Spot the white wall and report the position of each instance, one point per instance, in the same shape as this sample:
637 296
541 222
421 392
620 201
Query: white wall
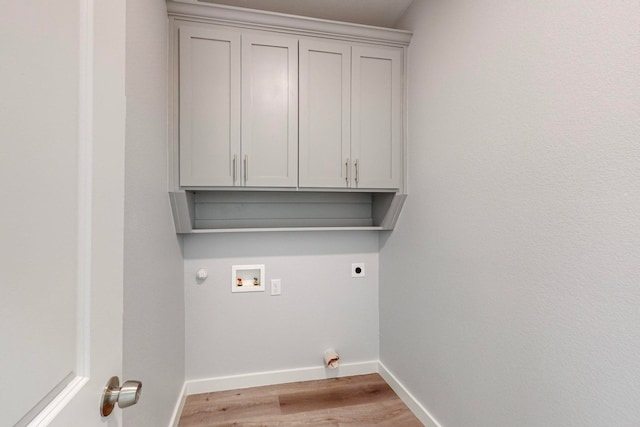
321 306
153 293
523 216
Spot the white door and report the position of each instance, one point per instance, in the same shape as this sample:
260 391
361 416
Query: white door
62 116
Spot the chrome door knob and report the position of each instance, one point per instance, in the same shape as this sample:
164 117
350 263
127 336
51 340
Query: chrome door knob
125 396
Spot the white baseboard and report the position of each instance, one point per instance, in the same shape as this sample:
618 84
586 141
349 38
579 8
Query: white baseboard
258 379
177 411
418 410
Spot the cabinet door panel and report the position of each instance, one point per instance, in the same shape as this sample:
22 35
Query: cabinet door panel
325 97
270 111
377 116
209 106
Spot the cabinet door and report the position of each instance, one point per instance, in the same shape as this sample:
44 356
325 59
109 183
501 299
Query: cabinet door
376 129
325 110
269 111
209 107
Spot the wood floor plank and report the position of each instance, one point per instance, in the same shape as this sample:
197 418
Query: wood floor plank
348 394
214 412
358 401
372 414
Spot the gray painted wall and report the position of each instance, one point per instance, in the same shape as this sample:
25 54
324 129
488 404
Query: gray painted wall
522 225
153 281
321 306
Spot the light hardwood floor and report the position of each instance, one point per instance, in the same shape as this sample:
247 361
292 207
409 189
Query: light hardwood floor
363 400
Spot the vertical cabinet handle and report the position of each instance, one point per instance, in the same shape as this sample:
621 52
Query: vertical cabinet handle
246 168
357 171
235 168
346 175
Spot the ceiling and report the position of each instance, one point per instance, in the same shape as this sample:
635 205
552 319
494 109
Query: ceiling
381 13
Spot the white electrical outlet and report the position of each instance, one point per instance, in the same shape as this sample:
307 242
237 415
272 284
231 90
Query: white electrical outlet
276 287
357 270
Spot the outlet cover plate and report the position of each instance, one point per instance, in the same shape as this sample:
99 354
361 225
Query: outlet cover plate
357 270
276 286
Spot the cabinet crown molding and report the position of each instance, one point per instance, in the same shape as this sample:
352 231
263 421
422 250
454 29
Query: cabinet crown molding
292 24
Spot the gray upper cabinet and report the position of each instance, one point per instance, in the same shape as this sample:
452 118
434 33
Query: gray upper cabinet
269 111
325 114
350 116
238 109
209 107
281 122
376 112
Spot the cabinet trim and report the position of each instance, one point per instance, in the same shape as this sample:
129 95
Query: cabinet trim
283 23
